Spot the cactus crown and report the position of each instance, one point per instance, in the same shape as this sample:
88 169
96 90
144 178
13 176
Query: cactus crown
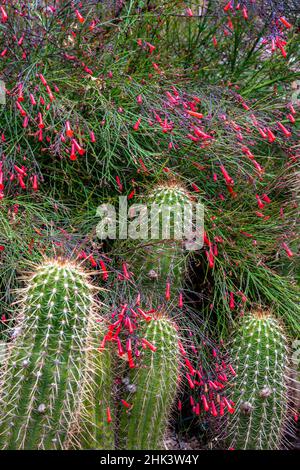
260 355
43 372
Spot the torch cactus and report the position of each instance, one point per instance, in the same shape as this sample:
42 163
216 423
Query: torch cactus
160 261
260 386
97 420
45 371
151 387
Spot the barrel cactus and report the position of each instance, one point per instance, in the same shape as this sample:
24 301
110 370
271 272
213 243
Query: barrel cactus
45 369
260 388
151 387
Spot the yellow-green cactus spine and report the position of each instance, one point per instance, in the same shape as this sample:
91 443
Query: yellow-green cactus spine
44 373
151 387
260 387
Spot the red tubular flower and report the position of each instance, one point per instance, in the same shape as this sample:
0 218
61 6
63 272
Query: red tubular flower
22 111
228 6
41 124
69 131
229 407
137 124
258 167
93 262
195 114
262 133
125 271
120 349
228 179
201 134
20 95
291 118
92 137
288 250
108 415
292 109
104 270
43 80
21 182
180 300
35 183
73 153
245 13
168 291
151 47
266 198
195 188
189 366
1 179
149 345
213 409
125 403
79 16
286 132
4 16
259 202
231 301
190 382
32 99
271 136
118 181
78 148
285 22
204 402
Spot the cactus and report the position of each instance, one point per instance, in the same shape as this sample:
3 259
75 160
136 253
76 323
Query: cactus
97 427
161 259
152 387
46 366
260 387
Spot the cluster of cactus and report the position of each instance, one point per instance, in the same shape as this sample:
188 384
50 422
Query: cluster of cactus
57 384
261 384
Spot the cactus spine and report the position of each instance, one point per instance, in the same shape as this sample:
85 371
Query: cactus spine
45 369
260 389
153 387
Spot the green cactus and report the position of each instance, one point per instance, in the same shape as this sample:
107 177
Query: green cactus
97 420
260 387
45 371
161 257
152 387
